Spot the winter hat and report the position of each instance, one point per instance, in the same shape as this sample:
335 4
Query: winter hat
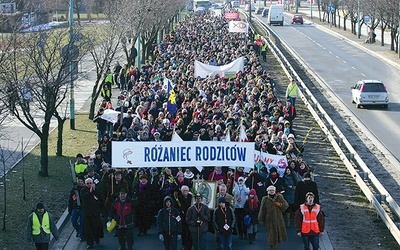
307 175
273 169
221 199
180 173
188 175
241 178
252 191
310 194
40 206
270 188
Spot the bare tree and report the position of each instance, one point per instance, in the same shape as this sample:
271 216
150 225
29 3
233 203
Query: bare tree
145 19
104 42
35 79
160 16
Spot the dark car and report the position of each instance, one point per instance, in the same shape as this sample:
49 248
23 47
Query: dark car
259 10
297 18
265 12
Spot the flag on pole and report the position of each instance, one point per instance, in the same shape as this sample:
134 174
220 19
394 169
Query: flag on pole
228 135
176 137
242 135
171 96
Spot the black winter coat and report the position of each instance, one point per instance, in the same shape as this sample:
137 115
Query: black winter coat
220 219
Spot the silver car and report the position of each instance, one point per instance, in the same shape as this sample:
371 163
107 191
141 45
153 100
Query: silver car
369 92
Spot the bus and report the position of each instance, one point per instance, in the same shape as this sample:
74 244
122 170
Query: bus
206 4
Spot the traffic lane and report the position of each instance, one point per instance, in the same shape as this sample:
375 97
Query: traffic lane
333 53
340 65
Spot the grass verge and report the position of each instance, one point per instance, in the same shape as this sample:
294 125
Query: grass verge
53 190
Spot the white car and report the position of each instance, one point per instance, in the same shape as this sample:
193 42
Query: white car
247 7
369 92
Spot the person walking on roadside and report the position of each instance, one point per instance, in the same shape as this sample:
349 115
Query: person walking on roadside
169 225
302 188
224 222
122 211
292 92
75 208
252 208
289 180
197 217
310 222
240 192
93 228
40 225
184 202
264 47
271 209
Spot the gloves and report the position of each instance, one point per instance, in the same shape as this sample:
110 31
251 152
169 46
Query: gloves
179 237
161 237
277 204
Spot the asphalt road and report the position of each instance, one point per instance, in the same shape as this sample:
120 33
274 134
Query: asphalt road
152 242
340 65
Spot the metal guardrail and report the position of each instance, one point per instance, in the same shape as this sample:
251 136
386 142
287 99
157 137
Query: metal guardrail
381 195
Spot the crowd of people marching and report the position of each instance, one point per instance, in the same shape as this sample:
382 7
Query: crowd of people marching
197 109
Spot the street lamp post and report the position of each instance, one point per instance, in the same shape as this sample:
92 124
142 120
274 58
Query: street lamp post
358 19
71 69
250 12
311 8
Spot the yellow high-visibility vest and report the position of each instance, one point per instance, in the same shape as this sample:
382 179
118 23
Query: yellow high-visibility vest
36 224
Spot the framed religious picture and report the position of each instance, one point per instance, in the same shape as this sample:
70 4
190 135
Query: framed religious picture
208 191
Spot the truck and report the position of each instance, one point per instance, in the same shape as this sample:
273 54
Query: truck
275 14
202 4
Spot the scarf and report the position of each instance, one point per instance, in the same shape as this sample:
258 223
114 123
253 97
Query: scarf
142 187
253 203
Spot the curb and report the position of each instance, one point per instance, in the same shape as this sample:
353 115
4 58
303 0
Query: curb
61 223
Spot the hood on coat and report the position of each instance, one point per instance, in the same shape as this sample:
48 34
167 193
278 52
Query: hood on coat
165 201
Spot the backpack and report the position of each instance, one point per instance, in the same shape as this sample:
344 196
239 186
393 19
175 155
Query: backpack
247 220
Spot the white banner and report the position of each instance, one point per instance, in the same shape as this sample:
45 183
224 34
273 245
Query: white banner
238 26
180 154
111 115
270 160
227 71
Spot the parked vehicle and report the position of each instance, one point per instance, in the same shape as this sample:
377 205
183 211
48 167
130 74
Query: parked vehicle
275 14
369 92
297 18
235 4
265 12
259 10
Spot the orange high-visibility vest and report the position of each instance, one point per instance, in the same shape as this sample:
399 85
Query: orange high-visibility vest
310 222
